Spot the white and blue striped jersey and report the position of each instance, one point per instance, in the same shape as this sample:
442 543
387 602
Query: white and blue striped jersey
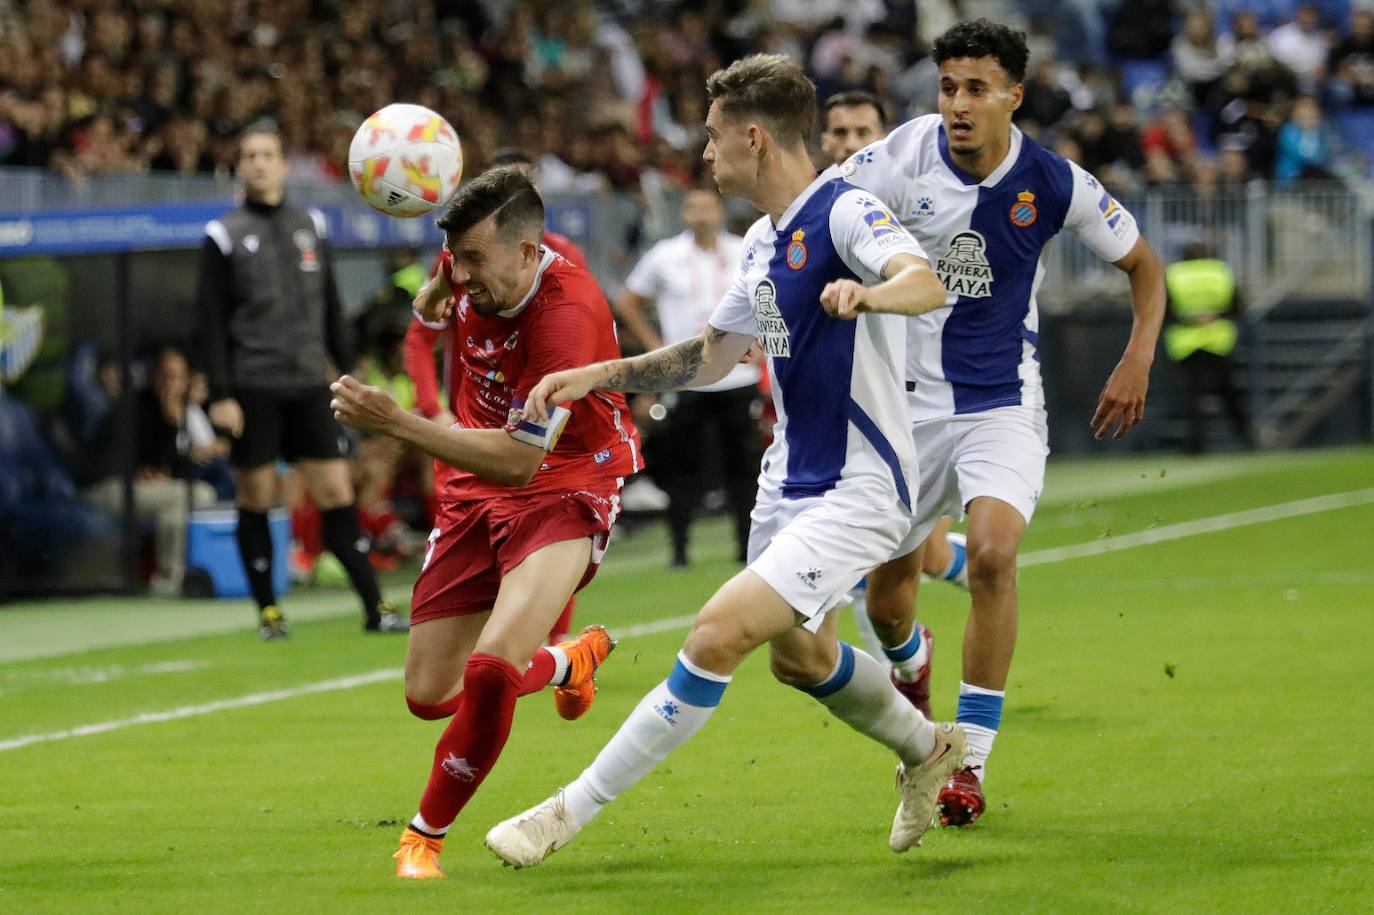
837 385
986 238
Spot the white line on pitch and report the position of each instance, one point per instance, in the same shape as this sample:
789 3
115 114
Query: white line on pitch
1210 525
1095 548
276 695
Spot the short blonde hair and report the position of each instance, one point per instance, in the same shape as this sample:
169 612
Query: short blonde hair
770 88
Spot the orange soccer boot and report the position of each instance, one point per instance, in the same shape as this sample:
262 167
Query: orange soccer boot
585 655
418 856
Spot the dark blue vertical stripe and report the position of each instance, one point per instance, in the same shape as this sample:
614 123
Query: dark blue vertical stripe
981 340
870 431
814 380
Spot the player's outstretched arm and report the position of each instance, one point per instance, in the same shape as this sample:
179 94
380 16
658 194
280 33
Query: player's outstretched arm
909 287
701 360
489 453
1122 402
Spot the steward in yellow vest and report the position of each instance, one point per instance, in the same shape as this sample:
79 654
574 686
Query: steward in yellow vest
1201 335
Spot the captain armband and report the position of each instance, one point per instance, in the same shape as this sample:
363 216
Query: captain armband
541 435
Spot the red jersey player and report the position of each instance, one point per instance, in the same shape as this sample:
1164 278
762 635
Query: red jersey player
522 524
422 337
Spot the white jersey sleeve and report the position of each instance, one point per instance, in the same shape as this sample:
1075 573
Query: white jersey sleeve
867 235
735 313
1104 225
646 279
888 169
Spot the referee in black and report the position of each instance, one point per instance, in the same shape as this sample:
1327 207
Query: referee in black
272 337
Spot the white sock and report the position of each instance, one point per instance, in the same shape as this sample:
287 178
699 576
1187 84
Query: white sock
420 824
664 719
560 665
908 658
872 644
859 693
980 715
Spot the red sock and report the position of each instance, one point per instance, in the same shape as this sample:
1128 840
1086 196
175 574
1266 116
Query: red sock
444 709
539 673
560 629
473 740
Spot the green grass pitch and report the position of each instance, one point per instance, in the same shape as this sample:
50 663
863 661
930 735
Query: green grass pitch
1188 727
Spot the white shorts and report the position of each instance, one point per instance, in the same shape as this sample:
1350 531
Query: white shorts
812 551
999 453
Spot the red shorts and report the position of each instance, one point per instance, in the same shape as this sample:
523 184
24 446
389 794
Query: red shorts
474 544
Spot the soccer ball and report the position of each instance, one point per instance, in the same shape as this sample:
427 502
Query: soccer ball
405 160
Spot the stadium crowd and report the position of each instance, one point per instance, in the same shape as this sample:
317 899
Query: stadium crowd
611 94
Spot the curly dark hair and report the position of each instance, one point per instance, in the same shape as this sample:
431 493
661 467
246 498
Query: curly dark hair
984 38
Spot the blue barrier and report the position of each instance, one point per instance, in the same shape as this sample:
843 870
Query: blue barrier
182 225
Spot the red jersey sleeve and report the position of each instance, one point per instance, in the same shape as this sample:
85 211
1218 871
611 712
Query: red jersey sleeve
419 356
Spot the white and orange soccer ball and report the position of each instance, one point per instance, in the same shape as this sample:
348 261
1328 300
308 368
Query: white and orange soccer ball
405 160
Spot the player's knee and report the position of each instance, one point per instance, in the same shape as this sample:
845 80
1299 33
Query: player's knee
891 601
717 644
992 560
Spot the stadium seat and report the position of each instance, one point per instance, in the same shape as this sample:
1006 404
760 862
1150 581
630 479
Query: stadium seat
40 515
1149 75
1355 127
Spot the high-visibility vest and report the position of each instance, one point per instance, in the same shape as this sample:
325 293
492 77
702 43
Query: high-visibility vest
400 387
411 278
1198 291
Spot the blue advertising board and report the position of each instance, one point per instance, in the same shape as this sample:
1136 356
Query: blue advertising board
182 225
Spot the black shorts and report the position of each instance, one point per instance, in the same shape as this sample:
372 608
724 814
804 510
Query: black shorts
294 424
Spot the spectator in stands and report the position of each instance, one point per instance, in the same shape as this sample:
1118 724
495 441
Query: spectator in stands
1302 46
1352 62
1244 46
1045 100
152 451
1198 59
1169 146
1305 145
1141 29
1233 165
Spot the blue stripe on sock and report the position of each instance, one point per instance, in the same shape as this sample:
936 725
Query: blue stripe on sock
839 679
907 649
956 562
980 709
694 690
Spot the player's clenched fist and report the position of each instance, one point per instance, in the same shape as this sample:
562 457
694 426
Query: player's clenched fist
842 299
363 406
558 388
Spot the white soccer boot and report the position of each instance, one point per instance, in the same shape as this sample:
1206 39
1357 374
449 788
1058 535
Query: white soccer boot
528 838
921 786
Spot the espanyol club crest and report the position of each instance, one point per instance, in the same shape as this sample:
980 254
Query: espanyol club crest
796 251
1023 211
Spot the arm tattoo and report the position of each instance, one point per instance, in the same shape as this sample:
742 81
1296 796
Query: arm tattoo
668 369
